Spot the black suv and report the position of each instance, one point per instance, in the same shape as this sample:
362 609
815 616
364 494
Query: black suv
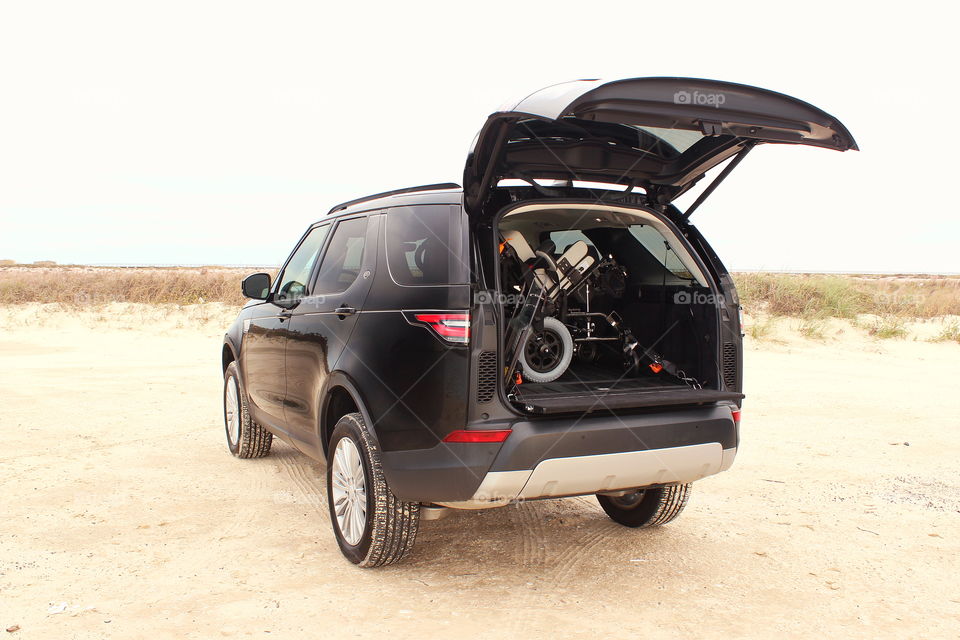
554 327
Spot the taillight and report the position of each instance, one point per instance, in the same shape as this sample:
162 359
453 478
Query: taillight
451 327
478 435
736 416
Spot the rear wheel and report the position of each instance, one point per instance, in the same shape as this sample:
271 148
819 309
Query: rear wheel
547 353
245 438
646 507
372 527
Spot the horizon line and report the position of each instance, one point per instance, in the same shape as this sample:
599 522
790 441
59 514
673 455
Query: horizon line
199 265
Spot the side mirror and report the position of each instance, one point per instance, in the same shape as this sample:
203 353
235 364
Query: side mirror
256 286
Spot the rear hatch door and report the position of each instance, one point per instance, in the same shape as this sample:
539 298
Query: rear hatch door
659 134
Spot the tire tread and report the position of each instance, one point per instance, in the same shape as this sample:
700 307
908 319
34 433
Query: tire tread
659 506
672 501
255 441
395 523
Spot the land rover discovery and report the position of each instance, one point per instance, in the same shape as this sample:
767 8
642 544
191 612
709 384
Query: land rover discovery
553 327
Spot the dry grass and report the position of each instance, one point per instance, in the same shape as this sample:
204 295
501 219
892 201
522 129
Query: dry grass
812 328
887 301
761 329
888 327
950 333
87 286
814 296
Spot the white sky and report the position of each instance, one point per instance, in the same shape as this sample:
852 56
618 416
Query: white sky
215 132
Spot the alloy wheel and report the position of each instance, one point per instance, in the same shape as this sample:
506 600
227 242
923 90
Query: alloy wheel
231 404
349 491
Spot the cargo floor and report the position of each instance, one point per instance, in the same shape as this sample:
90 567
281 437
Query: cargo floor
591 388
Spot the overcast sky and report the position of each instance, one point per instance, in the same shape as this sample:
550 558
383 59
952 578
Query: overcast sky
215 132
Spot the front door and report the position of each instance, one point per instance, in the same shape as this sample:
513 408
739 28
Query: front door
262 364
263 348
321 324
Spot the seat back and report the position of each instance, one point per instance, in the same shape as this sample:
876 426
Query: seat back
524 252
574 264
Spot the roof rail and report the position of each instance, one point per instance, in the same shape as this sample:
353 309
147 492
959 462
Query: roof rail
395 192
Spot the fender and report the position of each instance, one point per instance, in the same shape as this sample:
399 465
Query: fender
229 345
343 380
233 338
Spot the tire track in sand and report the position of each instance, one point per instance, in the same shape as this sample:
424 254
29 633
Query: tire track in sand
596 532
307 476
529 516
249 504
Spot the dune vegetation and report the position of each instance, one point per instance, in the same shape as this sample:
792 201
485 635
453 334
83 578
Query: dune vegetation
881 305
78 286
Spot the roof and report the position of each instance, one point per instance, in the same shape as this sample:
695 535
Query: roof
442 193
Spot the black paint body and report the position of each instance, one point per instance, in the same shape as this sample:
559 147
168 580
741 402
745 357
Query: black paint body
304 366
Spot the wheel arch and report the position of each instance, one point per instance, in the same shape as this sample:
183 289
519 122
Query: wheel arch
227 356
340 396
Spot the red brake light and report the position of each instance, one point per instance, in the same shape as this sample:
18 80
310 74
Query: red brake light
736 415
487 435
452 327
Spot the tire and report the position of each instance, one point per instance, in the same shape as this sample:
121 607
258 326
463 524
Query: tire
646 507
547 354
389 526
245 438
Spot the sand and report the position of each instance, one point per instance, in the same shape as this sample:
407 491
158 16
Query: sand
123 514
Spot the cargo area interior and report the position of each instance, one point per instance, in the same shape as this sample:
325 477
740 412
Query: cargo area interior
618 289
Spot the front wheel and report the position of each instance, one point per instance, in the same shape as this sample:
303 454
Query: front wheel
372 527
646 507
245 438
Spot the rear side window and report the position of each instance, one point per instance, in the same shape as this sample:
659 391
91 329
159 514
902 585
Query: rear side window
659 248
425 246
343 258
563 240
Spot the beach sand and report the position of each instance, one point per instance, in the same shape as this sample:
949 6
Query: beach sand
122 506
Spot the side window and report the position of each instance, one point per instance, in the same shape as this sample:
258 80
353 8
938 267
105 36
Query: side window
292 283
654 242
564 239
343 258
424 246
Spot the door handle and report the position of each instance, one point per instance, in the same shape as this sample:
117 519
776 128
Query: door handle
343 312
283 315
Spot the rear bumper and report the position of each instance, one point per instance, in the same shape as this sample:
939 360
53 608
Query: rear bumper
569 456
578 475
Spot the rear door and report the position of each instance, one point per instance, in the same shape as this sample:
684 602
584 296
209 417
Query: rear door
321 325
660 134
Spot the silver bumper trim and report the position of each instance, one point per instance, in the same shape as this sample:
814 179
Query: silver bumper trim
581 475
